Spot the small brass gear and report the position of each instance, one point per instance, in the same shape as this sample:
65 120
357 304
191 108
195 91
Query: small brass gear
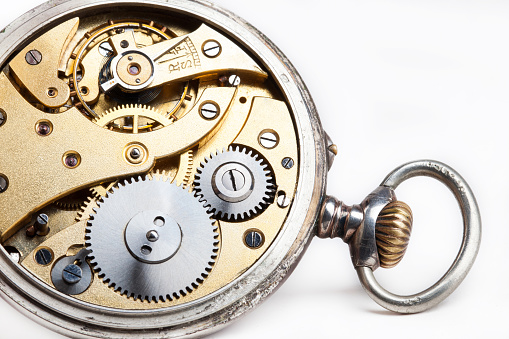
133 119
87 209
73 201
96 193
102 189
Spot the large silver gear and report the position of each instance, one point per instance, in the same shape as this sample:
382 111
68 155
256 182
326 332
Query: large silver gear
236 184
151 240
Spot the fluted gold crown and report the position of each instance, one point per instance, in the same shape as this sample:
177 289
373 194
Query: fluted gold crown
393 229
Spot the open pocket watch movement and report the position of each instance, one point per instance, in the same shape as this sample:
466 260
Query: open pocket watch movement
163 169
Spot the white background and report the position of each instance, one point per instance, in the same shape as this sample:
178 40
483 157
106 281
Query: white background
393 81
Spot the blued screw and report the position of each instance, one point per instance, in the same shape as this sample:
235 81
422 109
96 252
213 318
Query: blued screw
253 239
43 257
41 224
33 57
72 274
287 163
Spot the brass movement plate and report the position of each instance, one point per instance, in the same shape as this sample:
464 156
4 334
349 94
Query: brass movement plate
101 99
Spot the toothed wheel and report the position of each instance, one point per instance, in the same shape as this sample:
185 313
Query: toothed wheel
133 119
74 201
151 240
236 184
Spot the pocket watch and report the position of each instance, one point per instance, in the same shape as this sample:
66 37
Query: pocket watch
163 169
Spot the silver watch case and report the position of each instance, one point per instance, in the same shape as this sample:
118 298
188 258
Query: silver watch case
74 318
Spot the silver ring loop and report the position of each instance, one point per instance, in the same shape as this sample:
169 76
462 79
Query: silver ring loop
470 246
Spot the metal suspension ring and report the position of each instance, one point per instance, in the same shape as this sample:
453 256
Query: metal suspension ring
470 246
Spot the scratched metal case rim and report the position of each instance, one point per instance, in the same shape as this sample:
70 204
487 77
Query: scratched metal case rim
210 313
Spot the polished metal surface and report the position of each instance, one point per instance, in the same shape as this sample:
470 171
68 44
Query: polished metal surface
152 270
338 220
248 170
153 237
363 249
470 246
69 283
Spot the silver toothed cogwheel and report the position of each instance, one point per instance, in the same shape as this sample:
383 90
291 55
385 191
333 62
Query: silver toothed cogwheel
151 240
236 184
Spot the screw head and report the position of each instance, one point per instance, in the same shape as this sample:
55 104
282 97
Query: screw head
209 111
43 257
33 57
124 43
72 274
287 163
212 48
42 219
254 239
4 184
282 200
234 80
234 180
268 139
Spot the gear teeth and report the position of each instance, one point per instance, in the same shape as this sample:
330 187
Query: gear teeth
261 196
104 276
103 119
189 170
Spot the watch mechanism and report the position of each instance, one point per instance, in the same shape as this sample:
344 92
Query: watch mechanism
147 160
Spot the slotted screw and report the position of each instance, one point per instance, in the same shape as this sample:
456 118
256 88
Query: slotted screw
234 80
211 48
43 257
209 111
234 180
72 274
253 239
268 140
287 163
33 57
